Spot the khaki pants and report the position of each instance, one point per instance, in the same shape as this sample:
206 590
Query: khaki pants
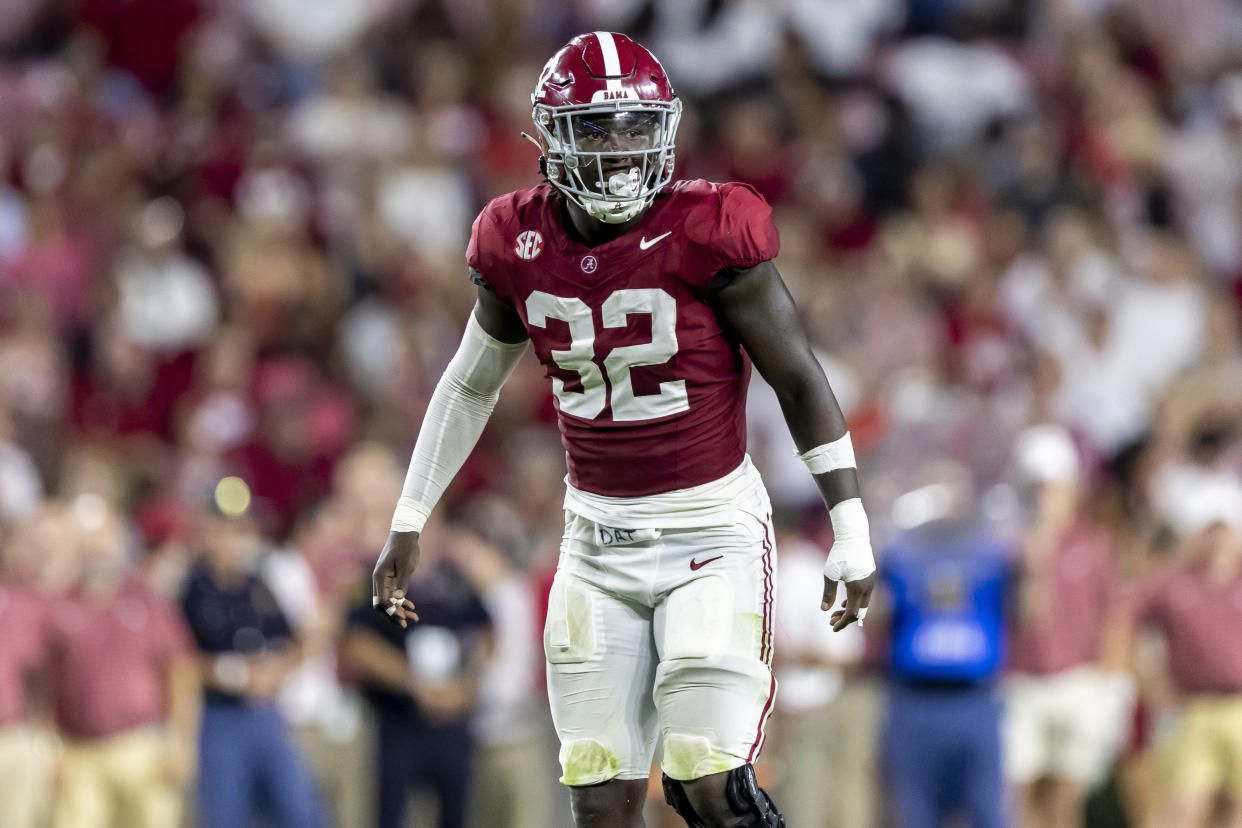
342 771
828 760
1204 753
117 782
25 776
510 787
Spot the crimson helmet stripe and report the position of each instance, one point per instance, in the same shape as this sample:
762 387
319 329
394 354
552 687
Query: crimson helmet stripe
612 60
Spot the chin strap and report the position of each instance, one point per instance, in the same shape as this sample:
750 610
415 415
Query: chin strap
543 159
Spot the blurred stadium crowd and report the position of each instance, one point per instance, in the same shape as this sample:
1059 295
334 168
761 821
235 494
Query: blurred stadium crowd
231 240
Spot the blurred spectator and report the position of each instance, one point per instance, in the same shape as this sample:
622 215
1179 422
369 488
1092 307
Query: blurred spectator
1067 700
248 764
711 46
41 554
25 749
315 578
1204 403
1196 604
956 88
283 289
840 37
126 396
1205 168
1050 294
54 266
753 149
167 301
218 416
145 37
825 722
511 758
422 684
35 377
949 581
124 687
164 527
21 485
1111 367
12 213
309 33
303 427
349 121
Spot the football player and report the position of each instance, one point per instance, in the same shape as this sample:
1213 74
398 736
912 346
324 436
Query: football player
645 300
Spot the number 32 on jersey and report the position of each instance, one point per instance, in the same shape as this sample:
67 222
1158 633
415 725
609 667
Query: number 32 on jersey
579 356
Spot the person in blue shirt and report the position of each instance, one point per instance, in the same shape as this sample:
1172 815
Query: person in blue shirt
248 764
947 578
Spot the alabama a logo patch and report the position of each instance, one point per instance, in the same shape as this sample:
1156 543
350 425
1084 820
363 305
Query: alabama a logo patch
589 264
529 245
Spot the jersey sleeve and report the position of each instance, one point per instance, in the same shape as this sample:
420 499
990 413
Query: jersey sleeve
477 254
745 234
485 253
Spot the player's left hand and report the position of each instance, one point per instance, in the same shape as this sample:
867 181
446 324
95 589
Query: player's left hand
854 607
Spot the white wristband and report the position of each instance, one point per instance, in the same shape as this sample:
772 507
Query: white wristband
851 557
409 516
839 454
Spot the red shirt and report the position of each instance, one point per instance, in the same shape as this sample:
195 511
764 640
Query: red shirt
1082 586
1201 622
103 409
108 662
21 650
650 389
147 37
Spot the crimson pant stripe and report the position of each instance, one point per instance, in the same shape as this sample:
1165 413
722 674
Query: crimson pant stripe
765 652
763 720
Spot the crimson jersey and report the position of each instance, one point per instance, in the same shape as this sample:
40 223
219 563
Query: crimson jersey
650 390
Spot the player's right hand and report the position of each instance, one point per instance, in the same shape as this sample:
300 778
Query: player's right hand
392 575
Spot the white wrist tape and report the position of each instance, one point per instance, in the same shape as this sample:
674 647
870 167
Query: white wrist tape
839 454
851 557
458 411
409 516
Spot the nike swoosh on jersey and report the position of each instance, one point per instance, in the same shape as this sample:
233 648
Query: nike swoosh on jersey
643 244
695 566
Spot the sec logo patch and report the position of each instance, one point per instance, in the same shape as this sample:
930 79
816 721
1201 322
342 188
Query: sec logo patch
529 245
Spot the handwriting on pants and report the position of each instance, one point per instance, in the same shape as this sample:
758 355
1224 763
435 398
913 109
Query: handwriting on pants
608 534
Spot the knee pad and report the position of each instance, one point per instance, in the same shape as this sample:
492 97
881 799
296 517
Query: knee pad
743 794
675 796
749 800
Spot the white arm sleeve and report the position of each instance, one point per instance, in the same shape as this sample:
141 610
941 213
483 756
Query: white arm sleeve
458 411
